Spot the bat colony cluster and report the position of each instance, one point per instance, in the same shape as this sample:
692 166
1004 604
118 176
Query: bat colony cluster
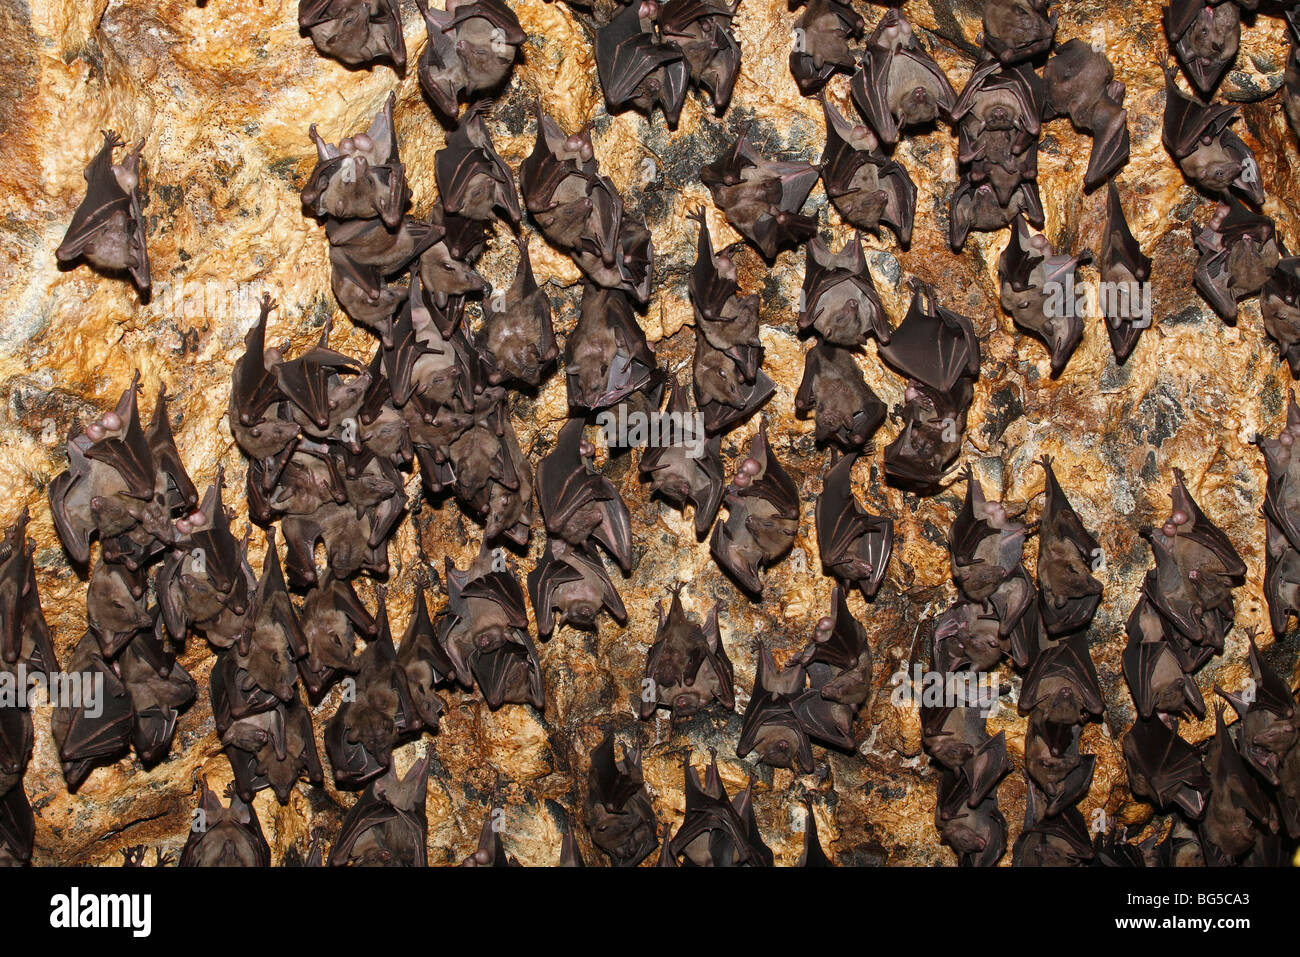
328 439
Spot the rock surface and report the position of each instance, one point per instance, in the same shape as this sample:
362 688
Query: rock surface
223 94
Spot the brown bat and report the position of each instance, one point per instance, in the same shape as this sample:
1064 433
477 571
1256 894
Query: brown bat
899 86
517 340
685 467
1081 84
355 32
1067 554
606 357
1208 152
387 827
867 187
1279 302
108 228
822 34
569 586
762 198
24 635
687 668
1204 35
471 49
1038 292
636 67
362 177
578 503
839 301
855 545
718 831
1127 271
222 836
701 29
620 817
1018 30
473 180
847 412
1153 667
1239 252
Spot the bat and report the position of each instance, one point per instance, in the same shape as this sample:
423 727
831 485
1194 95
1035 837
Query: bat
839 299
85 741
718 831
606 357
1267 731
159 689
723 395
687 668
578 503
1238 813
822 35
15 741
762 516
1054 764
387 827
484 633
898 85
1037 291
1051 840
490 851
867 187
360 737
108 228
426 665
762 198
1067 552
17 828
1239 252
812 854
1196 570
932 345
772 725
620 817
517 340
224 836
968 635
368 242
24 635
1282 560
331 618
636 67
1153 669
473 180
355 32
974 829
855 545
1081 84
847 412
838 660
1018 30
569 586
1279 302
1124 266
701 29
986 544
446 272
272 749
1164 769
1204 35
1062 684
675 473
361 178
727 320
975 205
471 49
1200 138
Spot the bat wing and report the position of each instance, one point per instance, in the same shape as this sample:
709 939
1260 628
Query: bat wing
931 344
1067 661
870 86
549 574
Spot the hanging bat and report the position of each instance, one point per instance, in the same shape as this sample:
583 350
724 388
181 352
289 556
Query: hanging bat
718 831
899 86
821 46
1051 840
1239 252
17 828
957 739
1081 84
578 503
484 632
839 299
723 394
638 69
224 836
975 205
812 854
762 516
387 827
762 198
272 749
1180 847
570 586
855 545
772 725
84 741
1204 35
1164 769
986 543
1210 155
1238 813
15 740
360 737
933 345
491 852
1267 731
355 32
331 618
559 181
1018 30
1037 291
1067 552
867 187
471 49
726 319
368 242
1153 670
361 178
1196 570
847 411
108 228
1279 302
473 180
447 276
974 829
1062 684
159 689
687 668
1054 764
685 467
606 357
838 660
517 340
619 814
1127 270
24 635
426 665
701 29
967 636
